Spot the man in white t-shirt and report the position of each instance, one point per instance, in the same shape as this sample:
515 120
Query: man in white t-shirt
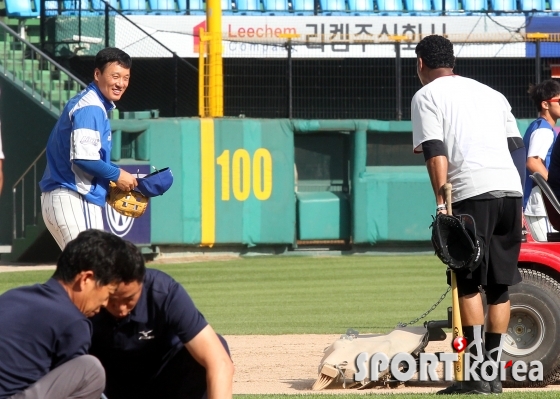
539 139
469 138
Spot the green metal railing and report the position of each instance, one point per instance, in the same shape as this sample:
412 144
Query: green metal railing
33 193
35 72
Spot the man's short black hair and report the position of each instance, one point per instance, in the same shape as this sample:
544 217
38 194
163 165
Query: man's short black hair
112 259
436 52
544 91
112 54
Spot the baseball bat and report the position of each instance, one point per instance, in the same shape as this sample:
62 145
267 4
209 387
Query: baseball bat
457 325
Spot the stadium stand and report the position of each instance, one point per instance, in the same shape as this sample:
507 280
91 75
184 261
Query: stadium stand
333 7
418 7
303 7
361 7
533 5
162 6
276 7
31 8
99 6
20 8
133 6
249 7
193 6
475 6
52 7
227 7
504 6
74 7
390 7
452 7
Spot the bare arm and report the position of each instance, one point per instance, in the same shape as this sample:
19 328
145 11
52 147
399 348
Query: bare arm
437 169
126 181
535 164
208 350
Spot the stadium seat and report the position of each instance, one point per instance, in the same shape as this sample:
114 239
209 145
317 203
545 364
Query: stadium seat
72 7
533 5
20 8
303 7
99 5
451 7
390 7
359 7
227 7
162 6
333 7
276 7
133 7
194 7
418 7
51 7
249 7
474 6
500 6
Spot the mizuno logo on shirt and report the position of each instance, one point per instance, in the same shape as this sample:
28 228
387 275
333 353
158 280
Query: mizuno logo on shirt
146 335
89 140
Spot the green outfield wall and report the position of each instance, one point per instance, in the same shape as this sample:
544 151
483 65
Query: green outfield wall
275 181
233 181
249 182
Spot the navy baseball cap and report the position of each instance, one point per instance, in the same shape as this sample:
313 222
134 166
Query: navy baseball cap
155 183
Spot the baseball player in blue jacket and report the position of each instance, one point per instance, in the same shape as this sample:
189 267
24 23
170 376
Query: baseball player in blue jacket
79 169
539 141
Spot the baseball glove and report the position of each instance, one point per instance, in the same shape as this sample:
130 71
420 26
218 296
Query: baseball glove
132 204
455 242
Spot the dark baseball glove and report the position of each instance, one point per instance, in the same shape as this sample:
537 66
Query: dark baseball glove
455 242
132 203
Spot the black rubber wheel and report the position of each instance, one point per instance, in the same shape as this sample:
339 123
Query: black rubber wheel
534 326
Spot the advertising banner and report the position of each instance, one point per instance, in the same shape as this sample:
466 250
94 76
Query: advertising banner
324 36
134 230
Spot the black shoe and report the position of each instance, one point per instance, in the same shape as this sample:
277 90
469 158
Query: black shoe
496 385
466 388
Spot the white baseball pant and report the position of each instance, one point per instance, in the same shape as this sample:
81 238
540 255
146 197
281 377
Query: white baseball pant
66 213
539 227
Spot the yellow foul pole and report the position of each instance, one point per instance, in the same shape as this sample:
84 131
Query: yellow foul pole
216 78
202 75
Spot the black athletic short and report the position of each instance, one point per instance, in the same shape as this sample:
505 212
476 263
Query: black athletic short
498 225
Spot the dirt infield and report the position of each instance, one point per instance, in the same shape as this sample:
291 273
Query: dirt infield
287 364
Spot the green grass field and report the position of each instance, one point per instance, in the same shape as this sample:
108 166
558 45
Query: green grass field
300 294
